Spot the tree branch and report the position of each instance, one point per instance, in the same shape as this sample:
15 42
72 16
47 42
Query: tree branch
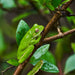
46 30
58 36
55 18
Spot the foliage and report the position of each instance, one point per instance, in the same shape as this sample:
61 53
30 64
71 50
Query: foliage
73 46
8 4
48 64
70 65
13 62
21 31
42 59
2 43
36 68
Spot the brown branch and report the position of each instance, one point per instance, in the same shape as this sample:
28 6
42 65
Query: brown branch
58 36
55 18
60 68
46 30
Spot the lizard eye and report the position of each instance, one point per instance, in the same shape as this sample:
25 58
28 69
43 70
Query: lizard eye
36 30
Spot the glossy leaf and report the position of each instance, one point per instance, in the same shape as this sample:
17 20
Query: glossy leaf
41 51
13 62
48 67
48 59
70 64
21 30
36 68
47 56
8 3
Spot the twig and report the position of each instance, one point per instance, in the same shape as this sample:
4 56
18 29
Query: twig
58 36
46 30
55 18
59 30
60 68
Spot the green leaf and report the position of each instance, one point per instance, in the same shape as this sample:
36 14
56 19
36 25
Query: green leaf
23 2
23 15
55 3
70 64
39 4
73 46
72 18
59 50
41 51
65 1
65 29
49 67
13 62
63 46
46 57
36 68
42 1
8 3
50 6
2 43
21 30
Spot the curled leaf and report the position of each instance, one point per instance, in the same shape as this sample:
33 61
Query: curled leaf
36 68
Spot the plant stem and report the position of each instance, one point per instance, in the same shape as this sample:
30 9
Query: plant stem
60 68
